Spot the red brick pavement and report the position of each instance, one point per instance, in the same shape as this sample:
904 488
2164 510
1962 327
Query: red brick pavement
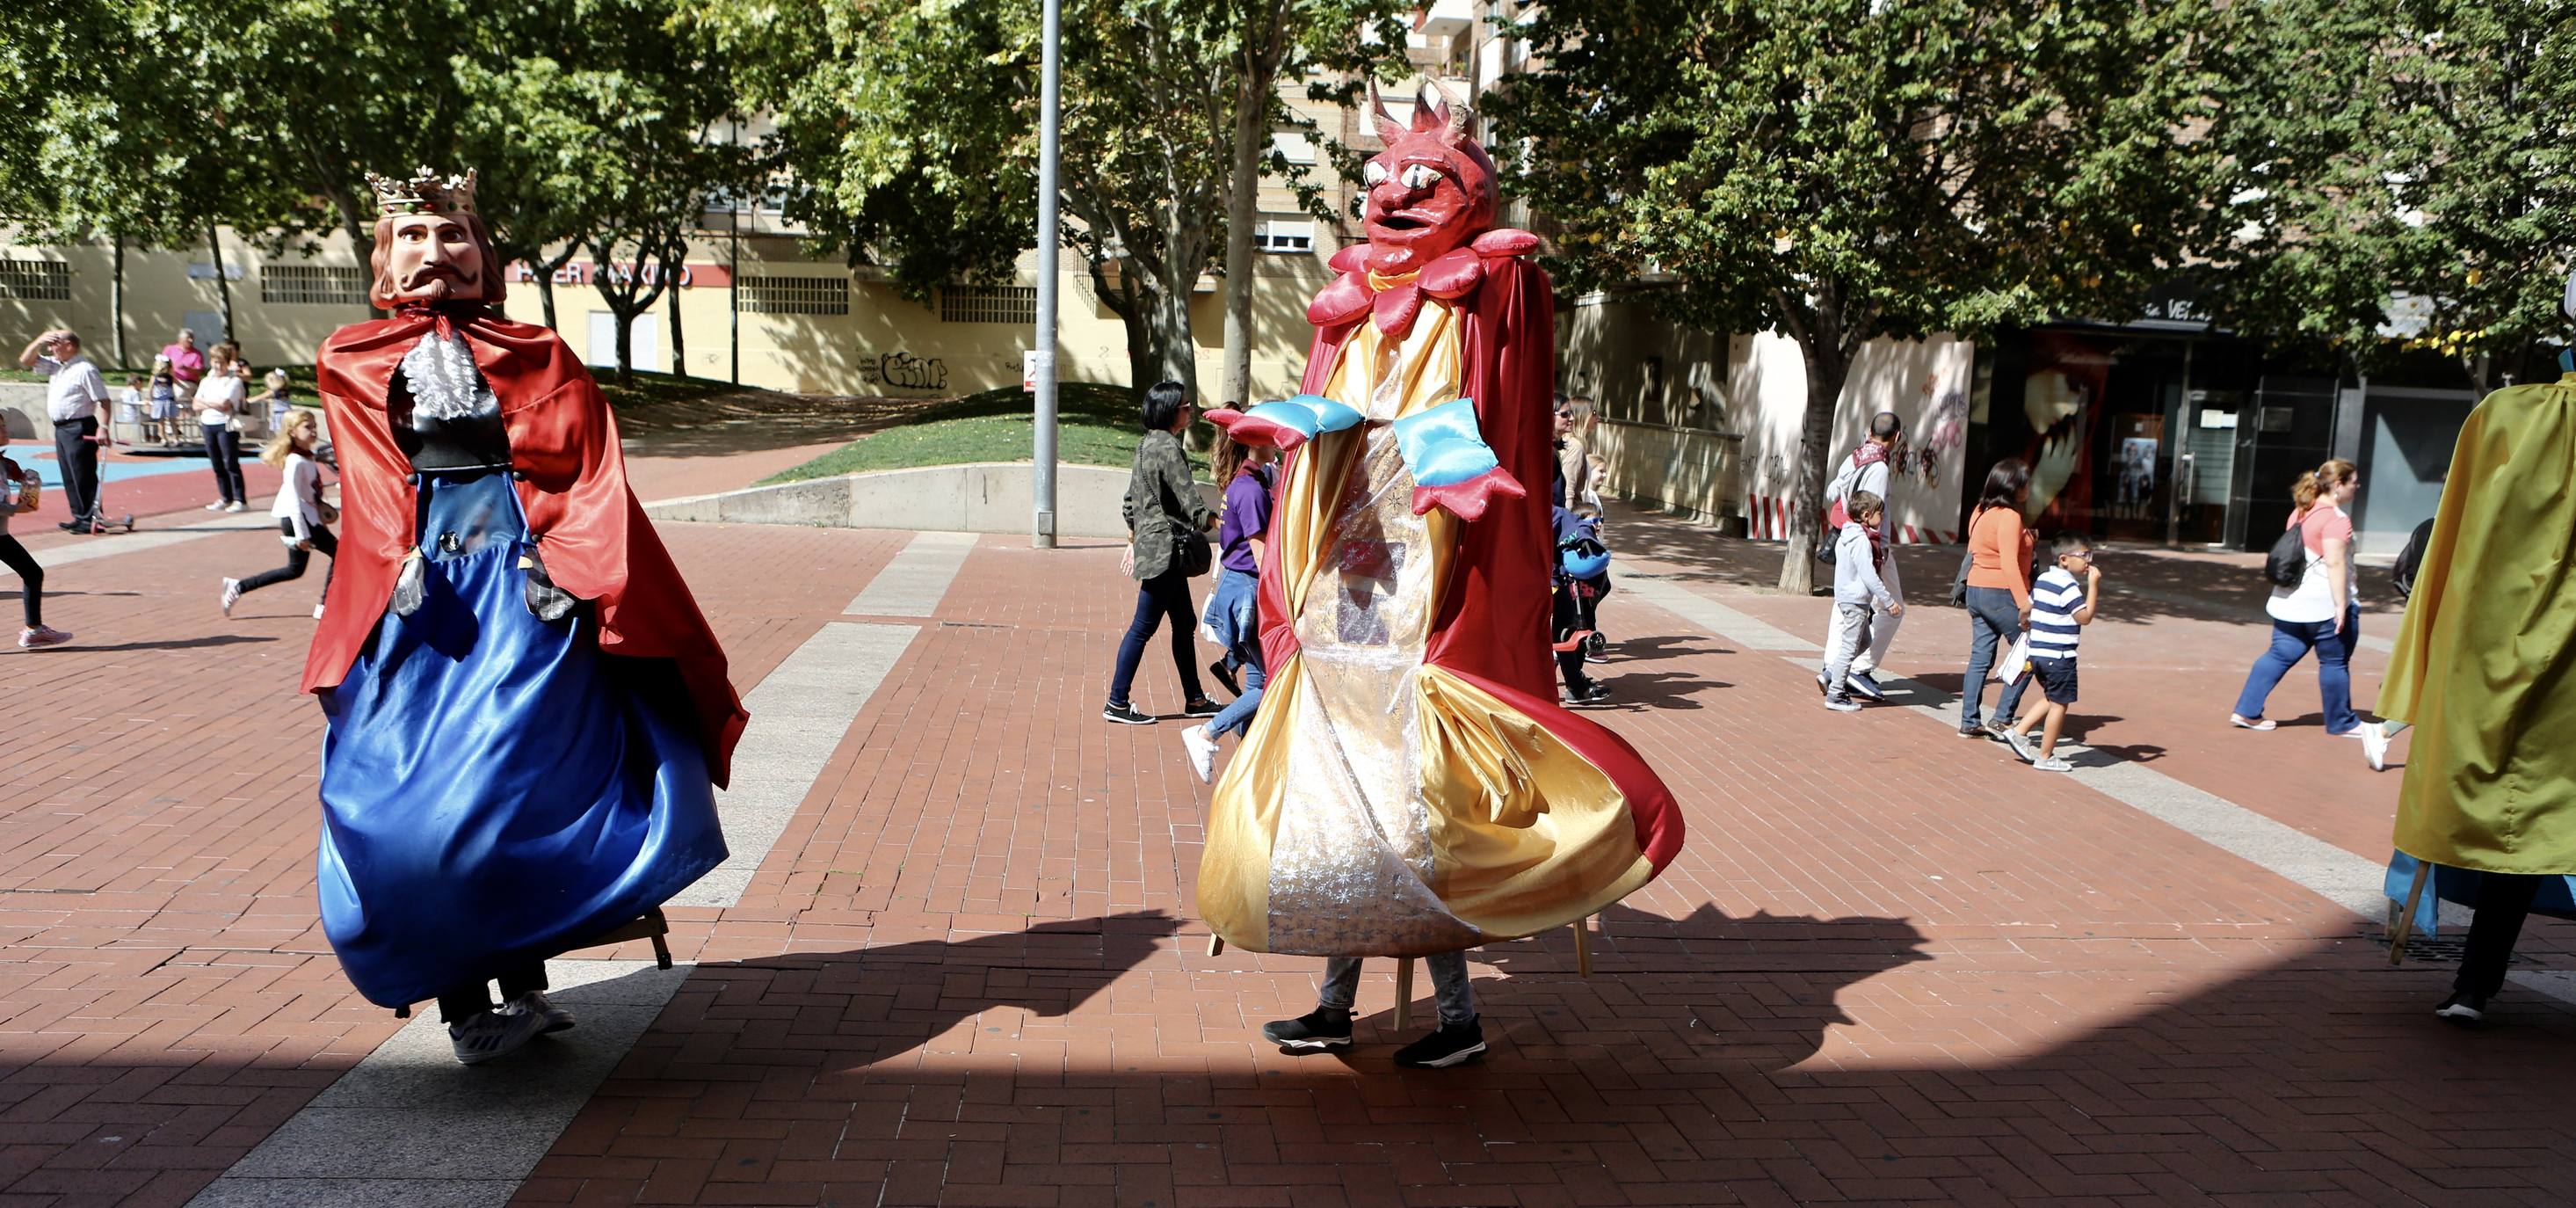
1888 969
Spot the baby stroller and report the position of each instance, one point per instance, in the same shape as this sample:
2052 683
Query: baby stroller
1583 571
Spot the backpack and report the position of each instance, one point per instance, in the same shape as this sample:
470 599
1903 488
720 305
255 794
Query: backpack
2410 560
2288 561
1836 514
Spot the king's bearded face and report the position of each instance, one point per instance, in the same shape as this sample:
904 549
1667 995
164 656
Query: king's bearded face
431 258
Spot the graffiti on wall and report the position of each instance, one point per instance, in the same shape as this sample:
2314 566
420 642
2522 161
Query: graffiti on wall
1944 428
904 371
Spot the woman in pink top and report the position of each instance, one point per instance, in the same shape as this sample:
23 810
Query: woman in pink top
2322 613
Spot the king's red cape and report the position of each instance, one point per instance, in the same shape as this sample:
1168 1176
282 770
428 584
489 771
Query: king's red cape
590 531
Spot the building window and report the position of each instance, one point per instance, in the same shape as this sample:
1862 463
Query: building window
313 284
1285 235
1293 146
795 295
988 304
36 280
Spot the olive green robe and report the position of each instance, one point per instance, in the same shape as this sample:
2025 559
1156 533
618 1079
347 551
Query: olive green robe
2484 666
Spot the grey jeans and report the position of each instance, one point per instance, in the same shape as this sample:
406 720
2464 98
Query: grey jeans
1448 985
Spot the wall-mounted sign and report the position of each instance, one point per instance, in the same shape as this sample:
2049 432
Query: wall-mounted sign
586 272
205 271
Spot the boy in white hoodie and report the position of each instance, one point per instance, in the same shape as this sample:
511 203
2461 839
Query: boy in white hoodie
1859 594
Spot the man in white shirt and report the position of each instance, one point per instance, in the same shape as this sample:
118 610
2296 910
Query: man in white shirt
1868 469
74 394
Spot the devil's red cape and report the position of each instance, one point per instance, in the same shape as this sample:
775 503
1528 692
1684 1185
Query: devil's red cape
571 479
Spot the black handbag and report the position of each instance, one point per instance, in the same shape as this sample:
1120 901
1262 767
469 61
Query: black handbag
1191 553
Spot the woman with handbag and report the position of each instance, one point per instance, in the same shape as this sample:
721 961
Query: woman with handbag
219 399
1997 581
1169 520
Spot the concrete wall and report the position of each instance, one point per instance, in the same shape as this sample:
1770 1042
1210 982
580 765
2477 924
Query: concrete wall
22 412
988 497
1708 425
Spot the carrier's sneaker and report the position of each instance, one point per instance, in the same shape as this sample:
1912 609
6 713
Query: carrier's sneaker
1594 693
232 595
2462 1008
1200 706
494 1034
2022 746
2054 763
1316 1030
317 612
37 637
2374 745
1451 1044
1865 686
558 1019
1126 715
1840 703
1202 751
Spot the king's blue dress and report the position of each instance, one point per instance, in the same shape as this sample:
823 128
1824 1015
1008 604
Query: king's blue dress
495 790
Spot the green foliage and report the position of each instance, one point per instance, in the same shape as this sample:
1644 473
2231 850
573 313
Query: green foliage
1096 426
1848 169
2400 149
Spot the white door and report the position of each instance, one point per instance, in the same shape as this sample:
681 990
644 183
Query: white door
645 334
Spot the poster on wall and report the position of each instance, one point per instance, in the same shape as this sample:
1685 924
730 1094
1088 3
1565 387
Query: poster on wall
2061 396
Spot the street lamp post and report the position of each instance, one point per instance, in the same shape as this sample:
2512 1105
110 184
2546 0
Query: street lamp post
1042 483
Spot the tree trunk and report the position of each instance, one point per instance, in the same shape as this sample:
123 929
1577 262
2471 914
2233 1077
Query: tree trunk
116 301
1243 204
625 344
546 300
223 286
1827 367
671 295
1167 322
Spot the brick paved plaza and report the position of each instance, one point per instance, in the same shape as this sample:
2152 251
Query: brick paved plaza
956 961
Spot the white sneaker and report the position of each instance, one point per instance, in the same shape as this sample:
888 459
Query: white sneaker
2374 745
535 1002
2054 763
40 636
494 1034
216 506
2021 746
232 595
317 612
236 506
1202 751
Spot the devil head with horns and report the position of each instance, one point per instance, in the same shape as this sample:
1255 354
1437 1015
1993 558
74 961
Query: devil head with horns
1430 218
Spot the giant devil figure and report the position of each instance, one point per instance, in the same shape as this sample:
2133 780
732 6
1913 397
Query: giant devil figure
1410 785
526 712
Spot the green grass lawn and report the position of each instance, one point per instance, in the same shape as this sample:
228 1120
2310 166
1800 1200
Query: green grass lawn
1096 425
653 389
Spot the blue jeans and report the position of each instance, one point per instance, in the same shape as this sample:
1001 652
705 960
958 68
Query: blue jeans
2291 641
1449 986
1164 595
1234 613
1993 622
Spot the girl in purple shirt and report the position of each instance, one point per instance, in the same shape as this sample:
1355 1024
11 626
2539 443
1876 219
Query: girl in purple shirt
1233 613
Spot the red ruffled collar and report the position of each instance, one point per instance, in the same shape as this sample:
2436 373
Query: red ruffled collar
1393 302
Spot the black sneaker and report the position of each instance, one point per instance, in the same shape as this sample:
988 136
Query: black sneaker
1316 1030
1593 693
1996 728
1125 715
1865 686
1225 677
1972 731
1201 706
1451 1044
2462 1008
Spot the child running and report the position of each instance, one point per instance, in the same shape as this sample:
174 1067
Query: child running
20 491
1860 594
302 517
2060 607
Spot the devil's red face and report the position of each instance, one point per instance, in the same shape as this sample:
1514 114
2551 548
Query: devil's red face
1430 191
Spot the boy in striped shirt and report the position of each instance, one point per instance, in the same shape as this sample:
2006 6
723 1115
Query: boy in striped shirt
2061 604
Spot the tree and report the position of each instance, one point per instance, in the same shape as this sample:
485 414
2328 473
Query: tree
910 126
1845 170
2414 152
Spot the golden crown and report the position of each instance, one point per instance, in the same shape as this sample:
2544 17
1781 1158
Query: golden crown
425 193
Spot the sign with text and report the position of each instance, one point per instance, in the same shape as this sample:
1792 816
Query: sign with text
585 272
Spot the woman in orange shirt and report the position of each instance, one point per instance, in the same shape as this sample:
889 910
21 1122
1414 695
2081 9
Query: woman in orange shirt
1998 592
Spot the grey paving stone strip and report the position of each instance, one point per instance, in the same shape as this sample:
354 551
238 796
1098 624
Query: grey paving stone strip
155 538
2350 881
917 579
407 1127
798 715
